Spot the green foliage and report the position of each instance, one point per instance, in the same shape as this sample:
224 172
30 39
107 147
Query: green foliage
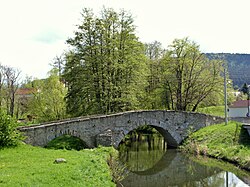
48 102
34 166
66 142
245 90
155 96
9 135
106 68
213 110
188 76
230 142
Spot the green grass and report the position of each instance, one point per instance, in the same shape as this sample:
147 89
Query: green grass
26 165
213 110
228 142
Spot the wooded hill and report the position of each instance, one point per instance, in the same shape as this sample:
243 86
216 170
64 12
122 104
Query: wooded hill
238 66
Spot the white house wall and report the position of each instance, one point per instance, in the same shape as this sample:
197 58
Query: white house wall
237 112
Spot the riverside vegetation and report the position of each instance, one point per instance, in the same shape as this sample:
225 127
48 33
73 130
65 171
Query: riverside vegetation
227 142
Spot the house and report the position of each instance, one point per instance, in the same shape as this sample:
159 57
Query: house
25 92
239 108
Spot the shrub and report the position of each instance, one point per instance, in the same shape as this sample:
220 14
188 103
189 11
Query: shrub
9 135
66 142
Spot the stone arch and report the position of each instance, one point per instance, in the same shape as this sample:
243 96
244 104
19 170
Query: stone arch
171 141
173 125
55 131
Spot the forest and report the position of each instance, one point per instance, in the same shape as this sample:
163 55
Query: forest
238 67
107 69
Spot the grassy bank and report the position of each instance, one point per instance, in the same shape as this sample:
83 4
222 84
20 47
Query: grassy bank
26 165
228 142
213 110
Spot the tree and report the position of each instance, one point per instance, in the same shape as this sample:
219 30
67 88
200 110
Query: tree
48 102
11 76
58 63
188 75
2 79
9 82
245 90
105 68
154 53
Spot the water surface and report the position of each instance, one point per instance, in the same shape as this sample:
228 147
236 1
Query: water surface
150 164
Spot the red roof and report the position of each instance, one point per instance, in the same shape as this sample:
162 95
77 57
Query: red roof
25 91
240 104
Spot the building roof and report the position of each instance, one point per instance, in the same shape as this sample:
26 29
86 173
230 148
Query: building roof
25 91
240 104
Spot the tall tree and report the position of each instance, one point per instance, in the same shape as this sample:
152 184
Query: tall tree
154 53
58 63
2 79
12 81
105 69
189 76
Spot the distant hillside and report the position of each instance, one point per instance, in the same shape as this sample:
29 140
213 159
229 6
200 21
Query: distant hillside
238 66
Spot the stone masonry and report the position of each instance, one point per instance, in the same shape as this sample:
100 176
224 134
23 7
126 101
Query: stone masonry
109 130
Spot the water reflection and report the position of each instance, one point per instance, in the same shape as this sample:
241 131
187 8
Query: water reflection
140 148
150 164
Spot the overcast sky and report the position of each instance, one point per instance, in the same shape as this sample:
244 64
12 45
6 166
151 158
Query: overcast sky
33 32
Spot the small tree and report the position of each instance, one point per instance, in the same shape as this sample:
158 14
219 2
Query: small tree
9 135
245 91
48 102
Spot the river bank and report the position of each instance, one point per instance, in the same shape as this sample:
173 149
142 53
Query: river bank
26 165
227 142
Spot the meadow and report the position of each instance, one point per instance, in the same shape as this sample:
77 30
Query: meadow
26 165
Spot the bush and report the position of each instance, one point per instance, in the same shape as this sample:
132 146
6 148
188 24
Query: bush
9 135
66 142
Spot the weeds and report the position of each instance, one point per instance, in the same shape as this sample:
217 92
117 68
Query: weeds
118 170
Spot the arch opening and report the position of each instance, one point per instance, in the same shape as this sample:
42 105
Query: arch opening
137 135
68 142
142 148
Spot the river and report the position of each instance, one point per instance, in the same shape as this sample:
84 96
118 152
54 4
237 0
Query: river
148 163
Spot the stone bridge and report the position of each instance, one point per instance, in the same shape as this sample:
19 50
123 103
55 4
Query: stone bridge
109 130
